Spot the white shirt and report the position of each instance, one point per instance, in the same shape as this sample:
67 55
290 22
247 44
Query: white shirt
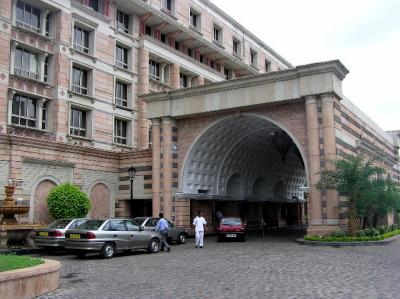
199 222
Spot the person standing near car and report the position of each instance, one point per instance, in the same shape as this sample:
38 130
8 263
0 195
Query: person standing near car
199 224
162 228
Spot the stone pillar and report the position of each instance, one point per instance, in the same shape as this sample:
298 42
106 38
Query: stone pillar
143 88
314 163
328 127
174 76
156 147
167 166
43 17
199 80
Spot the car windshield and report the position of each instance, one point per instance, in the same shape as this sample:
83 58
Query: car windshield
139 220
91 224
61 223
231 221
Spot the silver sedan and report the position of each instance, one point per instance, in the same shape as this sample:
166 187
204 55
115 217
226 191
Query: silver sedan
110 235
177 234
53 235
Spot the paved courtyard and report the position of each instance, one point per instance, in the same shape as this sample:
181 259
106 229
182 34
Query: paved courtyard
269 267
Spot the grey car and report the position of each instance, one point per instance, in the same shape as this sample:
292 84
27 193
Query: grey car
176 234
53 235
110 235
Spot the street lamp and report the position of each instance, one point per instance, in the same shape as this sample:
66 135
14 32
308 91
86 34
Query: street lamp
131 173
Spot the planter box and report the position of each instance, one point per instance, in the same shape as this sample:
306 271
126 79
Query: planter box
30 282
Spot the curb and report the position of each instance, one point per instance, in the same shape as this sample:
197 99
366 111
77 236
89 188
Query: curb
21 251
347 244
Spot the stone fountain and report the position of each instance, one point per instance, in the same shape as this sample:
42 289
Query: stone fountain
12 232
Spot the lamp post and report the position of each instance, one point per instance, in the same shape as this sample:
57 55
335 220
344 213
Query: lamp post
131 173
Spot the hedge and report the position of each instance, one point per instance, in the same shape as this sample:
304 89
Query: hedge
352 239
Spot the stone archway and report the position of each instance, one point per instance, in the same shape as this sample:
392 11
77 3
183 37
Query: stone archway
41 211
100 198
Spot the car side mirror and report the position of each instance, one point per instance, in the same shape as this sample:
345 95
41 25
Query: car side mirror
141 228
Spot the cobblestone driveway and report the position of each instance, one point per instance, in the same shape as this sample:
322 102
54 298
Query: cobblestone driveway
273 267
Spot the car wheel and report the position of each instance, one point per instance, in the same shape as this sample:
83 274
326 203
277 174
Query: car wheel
154 245
243 238
219 238
182 238
80 254
108 250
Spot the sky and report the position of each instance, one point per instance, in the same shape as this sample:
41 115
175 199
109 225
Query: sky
363 34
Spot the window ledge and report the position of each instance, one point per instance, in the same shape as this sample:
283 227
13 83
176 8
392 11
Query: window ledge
195 29
254 66
168 12
124 108
159 82
124 70
71 93
30 128
47 38
126 146
31 80
73 52
237 55
219 44
71 137
90 11
119 31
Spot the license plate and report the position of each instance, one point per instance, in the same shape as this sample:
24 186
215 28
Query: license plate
74 236
44 234
231 235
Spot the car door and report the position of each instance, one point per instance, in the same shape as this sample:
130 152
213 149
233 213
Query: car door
151 224
172 231
119 234
137 238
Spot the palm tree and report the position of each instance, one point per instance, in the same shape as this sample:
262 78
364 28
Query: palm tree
351 178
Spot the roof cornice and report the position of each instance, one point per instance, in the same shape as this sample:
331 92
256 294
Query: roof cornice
334 66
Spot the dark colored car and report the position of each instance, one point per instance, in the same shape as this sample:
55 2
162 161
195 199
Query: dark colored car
53 235
231 229
110 235
176 234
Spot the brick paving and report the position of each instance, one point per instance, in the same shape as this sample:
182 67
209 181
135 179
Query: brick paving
270 267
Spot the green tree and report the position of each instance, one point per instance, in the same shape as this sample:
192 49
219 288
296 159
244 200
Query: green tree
381 199
67 201
351 178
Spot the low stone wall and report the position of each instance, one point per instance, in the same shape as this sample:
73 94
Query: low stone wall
30 282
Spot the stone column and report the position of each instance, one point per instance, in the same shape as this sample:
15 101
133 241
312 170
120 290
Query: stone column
328 127
199 80
143 88
174 76
314 163
167 166
156 147
39 113
43 17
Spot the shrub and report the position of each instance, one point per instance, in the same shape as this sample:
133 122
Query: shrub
67 201
338 233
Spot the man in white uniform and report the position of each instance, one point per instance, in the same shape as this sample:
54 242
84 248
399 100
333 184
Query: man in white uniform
200 227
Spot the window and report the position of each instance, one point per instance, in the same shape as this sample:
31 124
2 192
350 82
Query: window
194 19
131 226
183 80
122 21
94 4
217 34
78 122
168 5
163 38
79 80
267 66
120 131
121 94
121 57
177 45
226 73
253 57
44 116
81 40
26 64
147 30
154 70
236 47
46 69
190 52
28 17
23 111
47 25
